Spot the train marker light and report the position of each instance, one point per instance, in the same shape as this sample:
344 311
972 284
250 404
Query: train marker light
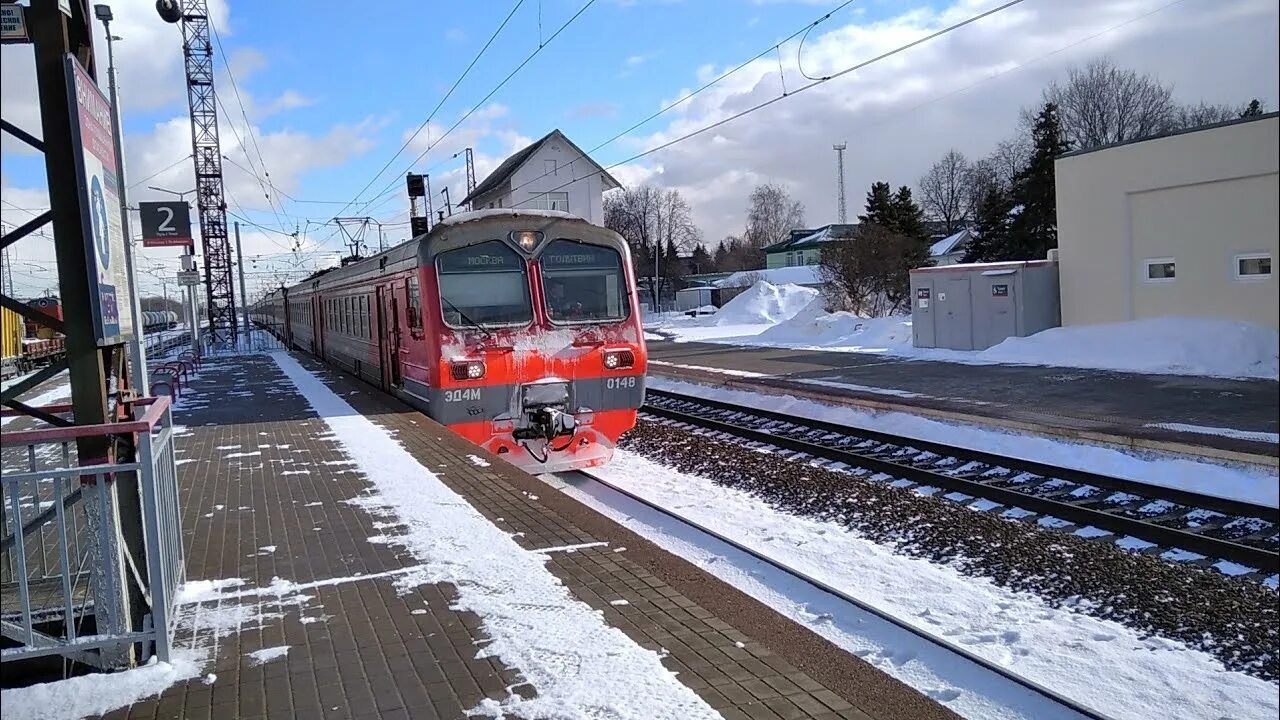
619 359
467 370
526 239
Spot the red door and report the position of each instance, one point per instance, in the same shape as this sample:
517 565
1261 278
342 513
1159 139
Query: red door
389 337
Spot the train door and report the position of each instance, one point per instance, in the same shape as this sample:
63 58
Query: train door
389 337
317 327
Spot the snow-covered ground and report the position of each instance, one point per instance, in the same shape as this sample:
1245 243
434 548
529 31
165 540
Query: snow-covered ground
1174 346
534 623
1250 484
1100 663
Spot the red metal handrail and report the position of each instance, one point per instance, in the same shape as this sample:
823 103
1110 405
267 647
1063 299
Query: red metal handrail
156 407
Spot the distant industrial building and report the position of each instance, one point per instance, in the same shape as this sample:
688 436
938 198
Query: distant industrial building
1185 224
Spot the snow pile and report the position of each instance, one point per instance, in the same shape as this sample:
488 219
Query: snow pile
99 693
814 326
578 663
1169 345
796 275
764 303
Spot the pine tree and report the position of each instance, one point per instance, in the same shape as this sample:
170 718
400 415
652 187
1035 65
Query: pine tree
1253 109
907 217
1033 229
879 205
990 226
701 260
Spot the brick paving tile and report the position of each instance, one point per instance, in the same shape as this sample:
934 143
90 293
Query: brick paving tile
263 486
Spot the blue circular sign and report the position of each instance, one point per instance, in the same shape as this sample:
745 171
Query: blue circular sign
101 226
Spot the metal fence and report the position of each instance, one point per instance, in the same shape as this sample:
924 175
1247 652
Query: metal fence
65 560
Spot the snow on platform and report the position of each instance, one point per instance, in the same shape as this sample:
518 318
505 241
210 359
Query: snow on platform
345 552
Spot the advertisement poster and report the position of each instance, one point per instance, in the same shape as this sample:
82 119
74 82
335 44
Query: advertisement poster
99 176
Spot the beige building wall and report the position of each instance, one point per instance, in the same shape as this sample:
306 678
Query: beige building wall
1199 200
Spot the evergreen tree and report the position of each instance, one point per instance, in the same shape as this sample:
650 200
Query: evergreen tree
701 260
907 217
1253 109
1033 229
879 205
990 225
721 257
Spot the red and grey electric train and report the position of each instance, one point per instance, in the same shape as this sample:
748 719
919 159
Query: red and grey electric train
518 330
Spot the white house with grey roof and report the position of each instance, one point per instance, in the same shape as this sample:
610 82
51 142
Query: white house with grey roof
550 174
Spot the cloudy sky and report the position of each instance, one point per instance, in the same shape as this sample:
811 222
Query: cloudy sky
329 101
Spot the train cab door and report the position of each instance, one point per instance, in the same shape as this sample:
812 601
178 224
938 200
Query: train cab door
389 338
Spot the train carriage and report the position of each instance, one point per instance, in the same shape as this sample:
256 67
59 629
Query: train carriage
519 330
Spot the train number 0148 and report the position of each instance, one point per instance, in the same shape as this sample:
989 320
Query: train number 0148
620 383
462 395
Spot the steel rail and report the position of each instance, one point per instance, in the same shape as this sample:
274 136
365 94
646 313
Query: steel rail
1033 686
1239 508
1081 515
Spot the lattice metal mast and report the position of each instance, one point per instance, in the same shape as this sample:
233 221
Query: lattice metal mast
842 209
207 151
471 175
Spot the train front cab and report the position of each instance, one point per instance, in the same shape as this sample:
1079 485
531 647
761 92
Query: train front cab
535 335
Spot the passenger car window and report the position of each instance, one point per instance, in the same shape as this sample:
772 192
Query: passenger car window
485 284
583 283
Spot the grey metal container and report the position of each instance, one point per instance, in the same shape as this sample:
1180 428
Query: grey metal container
978 305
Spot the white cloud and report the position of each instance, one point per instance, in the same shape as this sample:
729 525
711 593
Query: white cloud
901 114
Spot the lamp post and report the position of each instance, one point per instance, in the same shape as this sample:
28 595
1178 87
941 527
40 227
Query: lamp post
137 350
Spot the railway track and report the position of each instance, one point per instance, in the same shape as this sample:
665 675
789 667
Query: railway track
1166 518
1072 707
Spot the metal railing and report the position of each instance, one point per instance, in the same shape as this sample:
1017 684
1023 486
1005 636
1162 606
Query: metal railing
65 559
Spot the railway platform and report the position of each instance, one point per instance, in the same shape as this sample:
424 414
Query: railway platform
315 591
1224 419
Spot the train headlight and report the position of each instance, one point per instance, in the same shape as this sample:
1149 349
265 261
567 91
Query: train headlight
467 370
527 239
618 359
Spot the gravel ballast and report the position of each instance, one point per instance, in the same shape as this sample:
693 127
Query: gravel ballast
1233 619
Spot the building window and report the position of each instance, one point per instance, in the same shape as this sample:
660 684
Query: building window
1253 266
1160 270
548 167
550 201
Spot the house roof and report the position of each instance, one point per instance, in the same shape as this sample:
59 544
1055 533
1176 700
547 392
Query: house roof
949 244
509 166
811 237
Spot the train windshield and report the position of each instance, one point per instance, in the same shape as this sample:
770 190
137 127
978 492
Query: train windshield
485 284
583 283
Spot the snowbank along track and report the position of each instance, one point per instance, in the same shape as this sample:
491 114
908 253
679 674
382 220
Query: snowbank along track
578 477
1158 517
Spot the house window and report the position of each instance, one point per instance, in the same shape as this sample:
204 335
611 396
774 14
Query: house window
548 167
1253 266
550 201
1160 270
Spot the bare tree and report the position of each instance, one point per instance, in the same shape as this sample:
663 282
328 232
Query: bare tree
1010 157
979 178
1101 103
771 215
1202 113
657 224
870 273
942 190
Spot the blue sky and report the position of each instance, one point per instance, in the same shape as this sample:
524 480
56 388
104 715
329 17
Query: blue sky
332 89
